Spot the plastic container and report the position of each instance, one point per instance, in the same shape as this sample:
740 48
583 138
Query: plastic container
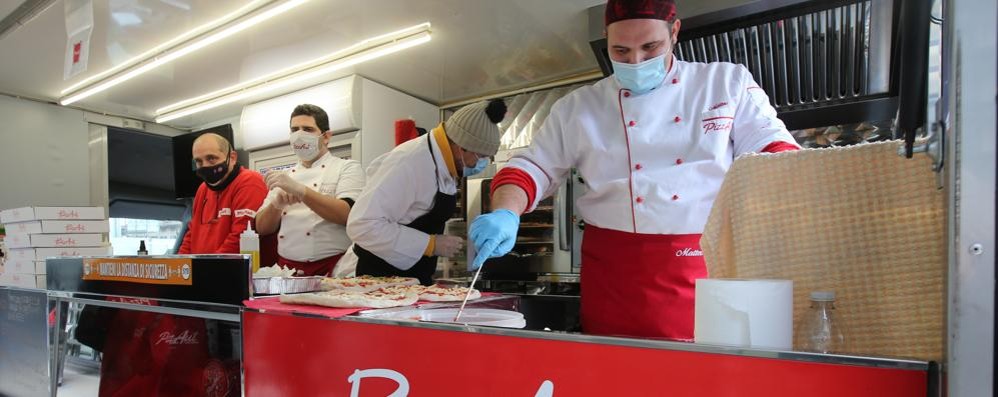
249 244
820 331
470 316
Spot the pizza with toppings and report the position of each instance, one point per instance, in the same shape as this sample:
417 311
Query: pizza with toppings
377 293
405 289
364 283
436 293
379 298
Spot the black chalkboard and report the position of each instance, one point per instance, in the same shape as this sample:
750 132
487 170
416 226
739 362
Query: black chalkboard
23 343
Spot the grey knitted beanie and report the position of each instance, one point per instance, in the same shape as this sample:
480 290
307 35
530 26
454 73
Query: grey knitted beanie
474 127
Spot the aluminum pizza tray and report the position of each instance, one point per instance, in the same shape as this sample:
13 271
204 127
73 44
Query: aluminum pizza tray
285 285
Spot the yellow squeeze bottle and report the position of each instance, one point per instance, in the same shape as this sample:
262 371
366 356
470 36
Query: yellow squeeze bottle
249 244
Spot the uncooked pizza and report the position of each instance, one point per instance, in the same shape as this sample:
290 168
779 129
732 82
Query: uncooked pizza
436 293
364 283
346 299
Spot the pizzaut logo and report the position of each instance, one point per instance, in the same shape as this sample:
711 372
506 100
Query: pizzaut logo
184 338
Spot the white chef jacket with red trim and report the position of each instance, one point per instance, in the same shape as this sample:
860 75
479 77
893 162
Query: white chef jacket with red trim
652 163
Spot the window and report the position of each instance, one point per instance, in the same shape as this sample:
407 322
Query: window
127 234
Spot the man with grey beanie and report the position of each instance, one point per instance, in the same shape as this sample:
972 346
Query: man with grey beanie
397 222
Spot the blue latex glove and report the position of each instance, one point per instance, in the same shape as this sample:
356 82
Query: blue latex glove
494 235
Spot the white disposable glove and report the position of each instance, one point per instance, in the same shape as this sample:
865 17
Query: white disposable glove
283 180
447 246
283 199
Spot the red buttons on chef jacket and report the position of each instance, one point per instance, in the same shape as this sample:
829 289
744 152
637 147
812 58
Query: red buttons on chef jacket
675 81
675 197
679 161
627 94
284 213
632 123
637 166
310 233
292 170
315 185
677 119
280 236
323 166
640 199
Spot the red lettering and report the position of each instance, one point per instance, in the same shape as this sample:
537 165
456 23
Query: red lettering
716 126
63 214
722 104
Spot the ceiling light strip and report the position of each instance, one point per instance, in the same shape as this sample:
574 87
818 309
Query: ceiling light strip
339 54
180 48
285 78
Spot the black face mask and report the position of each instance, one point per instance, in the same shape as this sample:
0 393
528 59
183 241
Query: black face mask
213 174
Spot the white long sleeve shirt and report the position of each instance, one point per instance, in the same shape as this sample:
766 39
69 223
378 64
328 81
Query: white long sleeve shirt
401 187
652 163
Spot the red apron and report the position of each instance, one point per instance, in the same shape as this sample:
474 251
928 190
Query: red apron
321 267
639 284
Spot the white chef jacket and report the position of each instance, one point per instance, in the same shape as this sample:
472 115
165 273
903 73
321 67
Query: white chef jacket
652 163
305 236
401 186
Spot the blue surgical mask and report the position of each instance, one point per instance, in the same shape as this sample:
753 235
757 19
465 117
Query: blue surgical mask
478 168
640 77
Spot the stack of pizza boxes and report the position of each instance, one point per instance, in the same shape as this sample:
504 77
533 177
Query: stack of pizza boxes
36 233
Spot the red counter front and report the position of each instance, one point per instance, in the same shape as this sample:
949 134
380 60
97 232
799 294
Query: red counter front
287 355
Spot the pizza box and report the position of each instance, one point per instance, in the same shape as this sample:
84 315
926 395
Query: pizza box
24 266
39 254
18 240
22 280
57 213
52 226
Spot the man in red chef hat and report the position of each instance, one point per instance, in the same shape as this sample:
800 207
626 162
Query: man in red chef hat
653 143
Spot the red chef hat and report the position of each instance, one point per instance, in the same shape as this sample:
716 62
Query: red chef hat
619 10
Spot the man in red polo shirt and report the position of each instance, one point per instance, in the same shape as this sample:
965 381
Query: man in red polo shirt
225 202
166 355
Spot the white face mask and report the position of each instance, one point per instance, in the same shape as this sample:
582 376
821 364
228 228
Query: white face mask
305 145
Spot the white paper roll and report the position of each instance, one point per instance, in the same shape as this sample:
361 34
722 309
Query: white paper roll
749 313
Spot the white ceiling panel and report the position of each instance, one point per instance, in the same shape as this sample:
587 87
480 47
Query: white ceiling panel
478 46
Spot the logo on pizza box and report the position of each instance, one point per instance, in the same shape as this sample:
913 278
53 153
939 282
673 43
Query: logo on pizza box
71 214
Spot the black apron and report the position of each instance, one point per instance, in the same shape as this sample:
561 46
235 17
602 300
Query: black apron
430 223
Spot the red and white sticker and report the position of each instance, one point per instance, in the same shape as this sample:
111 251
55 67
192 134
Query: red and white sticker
245 212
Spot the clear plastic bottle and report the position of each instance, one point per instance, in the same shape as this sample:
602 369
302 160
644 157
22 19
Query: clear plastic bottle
249 244
821 333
